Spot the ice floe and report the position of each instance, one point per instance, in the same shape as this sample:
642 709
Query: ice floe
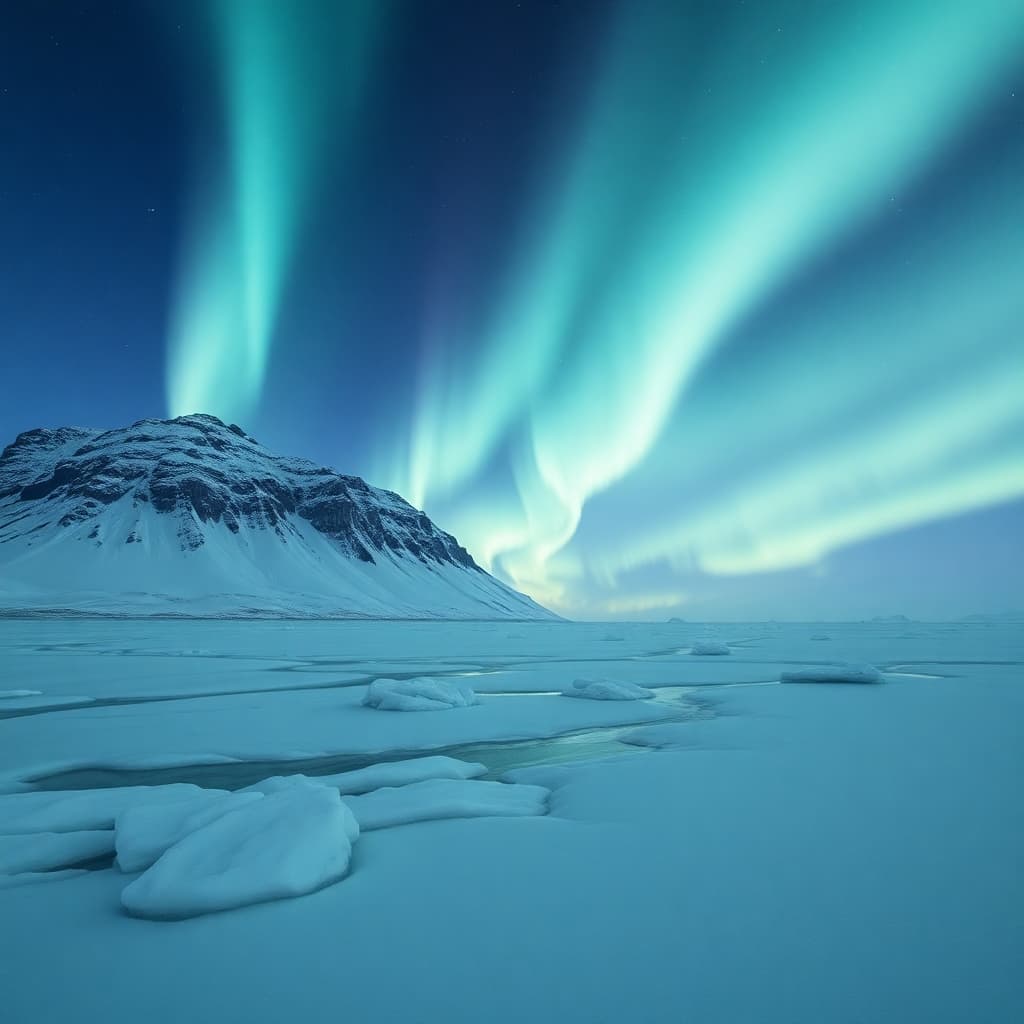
833 674
423 693
279 784
287 844
402 773
44 851
143 833
9 694
446 798
710 647
76 810
606 689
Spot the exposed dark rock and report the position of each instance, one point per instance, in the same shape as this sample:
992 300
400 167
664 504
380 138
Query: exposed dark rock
202 471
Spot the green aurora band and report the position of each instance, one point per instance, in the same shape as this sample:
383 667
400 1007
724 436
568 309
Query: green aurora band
622 292
690 191
290 85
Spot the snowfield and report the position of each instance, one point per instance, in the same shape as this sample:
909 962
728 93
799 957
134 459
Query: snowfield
204 820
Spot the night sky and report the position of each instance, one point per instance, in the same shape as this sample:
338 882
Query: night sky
712 309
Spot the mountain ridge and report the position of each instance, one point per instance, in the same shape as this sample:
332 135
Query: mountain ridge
203 498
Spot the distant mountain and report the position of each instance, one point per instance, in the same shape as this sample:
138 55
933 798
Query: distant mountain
191 516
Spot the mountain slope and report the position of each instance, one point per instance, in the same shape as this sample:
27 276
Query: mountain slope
194 517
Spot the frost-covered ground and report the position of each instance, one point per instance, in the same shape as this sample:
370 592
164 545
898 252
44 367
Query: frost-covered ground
731 849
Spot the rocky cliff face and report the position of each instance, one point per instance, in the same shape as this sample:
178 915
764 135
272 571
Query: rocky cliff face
199 480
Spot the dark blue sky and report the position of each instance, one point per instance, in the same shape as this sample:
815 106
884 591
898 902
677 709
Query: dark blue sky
709 309
101 111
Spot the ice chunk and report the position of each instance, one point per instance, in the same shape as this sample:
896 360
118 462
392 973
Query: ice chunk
402 773
388 773
286 783
74 810
606 689
833 674
143 833
278 784
423 693
286 844
710 647
445 798
44 851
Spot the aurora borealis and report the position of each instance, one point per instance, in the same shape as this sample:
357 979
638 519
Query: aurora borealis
660 307
284 91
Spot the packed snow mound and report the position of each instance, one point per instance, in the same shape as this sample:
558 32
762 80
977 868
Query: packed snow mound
192 516
606 689
710 647
833 674
291 783
287 844
83 809
44 851
143 833
377 776
423 693
278 784
446 798
402 773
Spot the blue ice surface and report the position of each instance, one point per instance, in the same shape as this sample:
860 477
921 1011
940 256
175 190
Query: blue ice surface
819 853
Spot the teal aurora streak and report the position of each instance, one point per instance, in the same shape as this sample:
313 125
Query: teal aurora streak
286 93
591 379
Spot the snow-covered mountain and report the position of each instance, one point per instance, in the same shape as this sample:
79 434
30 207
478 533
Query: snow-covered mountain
194 517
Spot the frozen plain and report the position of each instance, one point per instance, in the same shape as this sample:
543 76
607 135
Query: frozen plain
732 849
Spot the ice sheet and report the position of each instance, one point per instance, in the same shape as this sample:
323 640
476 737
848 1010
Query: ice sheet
815 853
